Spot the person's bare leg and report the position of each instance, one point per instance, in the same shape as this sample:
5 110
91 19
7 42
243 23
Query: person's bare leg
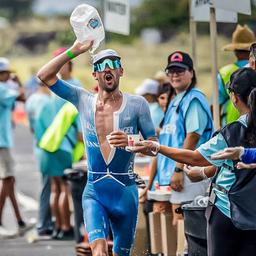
176 216
99 248
11 194
64 206
3 196
55 193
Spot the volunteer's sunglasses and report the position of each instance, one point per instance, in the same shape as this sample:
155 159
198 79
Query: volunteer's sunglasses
176 70
112 64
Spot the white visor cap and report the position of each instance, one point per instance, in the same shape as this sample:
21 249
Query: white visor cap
104 54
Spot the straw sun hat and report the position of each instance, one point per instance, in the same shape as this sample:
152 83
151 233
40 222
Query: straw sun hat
242 38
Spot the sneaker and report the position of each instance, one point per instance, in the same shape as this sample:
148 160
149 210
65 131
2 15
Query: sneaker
55 233
66 235
25 227
45 232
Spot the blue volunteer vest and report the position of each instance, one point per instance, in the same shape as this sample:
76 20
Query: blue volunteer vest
174 133
242 192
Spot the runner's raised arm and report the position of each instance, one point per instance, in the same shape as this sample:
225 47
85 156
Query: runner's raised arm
48 73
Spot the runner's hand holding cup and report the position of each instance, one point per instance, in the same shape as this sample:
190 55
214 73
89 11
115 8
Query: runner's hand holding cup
117 139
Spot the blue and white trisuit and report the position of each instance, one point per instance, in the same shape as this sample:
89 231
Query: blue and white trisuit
110 198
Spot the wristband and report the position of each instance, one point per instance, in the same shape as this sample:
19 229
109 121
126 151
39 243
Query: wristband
241 149
202 173
155 148
178 170
70 54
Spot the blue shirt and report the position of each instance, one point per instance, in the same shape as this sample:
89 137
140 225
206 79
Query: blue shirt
193 115
249 155
7 100
225 178
47 116
34 106
195 119
157 114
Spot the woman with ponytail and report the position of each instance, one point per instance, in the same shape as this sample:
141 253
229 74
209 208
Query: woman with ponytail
247 156
231 212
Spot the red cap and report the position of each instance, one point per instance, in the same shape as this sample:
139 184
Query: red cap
59 51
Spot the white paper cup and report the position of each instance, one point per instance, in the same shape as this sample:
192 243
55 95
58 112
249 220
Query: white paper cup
133 139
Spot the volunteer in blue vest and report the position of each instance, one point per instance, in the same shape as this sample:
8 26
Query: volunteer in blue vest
34 105
8 96
110 198
187 124
242 38
232 210
54 162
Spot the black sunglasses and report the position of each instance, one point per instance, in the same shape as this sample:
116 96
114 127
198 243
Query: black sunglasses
176 70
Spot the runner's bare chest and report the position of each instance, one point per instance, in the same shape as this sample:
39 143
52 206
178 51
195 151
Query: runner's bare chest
104 122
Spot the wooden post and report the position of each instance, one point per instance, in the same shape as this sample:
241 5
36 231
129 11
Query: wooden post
213 33
102 7
193 34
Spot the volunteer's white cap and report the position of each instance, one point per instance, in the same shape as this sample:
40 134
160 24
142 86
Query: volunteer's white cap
104 54
4 64
148 86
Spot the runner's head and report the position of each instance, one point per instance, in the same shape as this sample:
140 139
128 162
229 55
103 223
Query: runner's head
99 58
107 69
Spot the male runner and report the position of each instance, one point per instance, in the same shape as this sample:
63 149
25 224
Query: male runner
110 197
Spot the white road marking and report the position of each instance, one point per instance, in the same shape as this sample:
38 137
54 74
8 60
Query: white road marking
28 203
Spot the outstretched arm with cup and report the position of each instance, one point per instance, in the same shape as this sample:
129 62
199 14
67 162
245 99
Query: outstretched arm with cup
185 156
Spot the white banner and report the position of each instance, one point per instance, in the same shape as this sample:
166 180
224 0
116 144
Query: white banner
200 11
240 6
117 16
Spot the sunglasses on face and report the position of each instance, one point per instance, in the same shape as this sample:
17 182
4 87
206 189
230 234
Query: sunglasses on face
176 70
112 64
